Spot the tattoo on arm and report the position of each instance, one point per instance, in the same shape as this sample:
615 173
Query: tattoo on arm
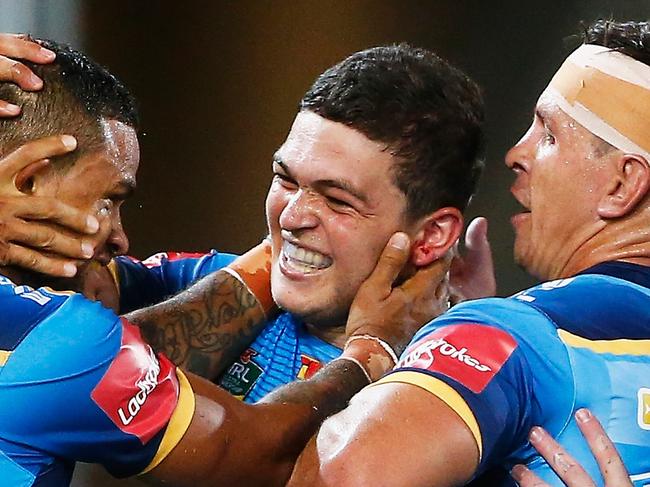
204 328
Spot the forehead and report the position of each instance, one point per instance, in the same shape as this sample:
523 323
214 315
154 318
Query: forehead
323 148
121 149
548 111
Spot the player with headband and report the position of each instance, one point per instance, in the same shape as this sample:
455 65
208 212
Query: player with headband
473 382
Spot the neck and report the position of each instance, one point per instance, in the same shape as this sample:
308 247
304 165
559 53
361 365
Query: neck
627 240
334 335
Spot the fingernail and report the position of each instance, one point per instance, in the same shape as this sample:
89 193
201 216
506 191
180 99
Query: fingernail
69 141
535 434
92 224
47 54
11 109
69 269
399 241
583 415
35 80
517 472
87 249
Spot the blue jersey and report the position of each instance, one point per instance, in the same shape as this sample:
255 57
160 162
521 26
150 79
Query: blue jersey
506 365
77 383
283 352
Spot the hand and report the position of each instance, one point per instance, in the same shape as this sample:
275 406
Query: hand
20 46
572 474
28 236
394 314
472 275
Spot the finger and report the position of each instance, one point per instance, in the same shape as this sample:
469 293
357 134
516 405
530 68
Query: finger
55 211
8 109
55 145
570 471
26 258
16 72
20 46
390 263
45 237
525 478
427 279
476 241
609 461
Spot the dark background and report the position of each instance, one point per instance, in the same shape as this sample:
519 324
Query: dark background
218 84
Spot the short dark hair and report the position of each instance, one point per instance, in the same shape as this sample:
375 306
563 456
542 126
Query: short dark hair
428 113
77 95
631 38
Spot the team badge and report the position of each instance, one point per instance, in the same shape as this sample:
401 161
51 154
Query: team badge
643 417
308 367
241 376
470 353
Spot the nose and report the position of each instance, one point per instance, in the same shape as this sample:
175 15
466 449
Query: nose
118 242
300 212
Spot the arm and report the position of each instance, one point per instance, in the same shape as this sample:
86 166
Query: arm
571 472
227 436
205 328
391 434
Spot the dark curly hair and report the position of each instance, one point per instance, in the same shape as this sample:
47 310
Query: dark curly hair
631 38
428 113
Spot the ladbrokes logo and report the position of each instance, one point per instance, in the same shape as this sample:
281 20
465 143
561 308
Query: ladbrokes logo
139 391
469 353
146 386
425 353
643 417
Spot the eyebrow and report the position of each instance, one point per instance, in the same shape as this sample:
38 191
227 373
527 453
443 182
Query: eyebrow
327 183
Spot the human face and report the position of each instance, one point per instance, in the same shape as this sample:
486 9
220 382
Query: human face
560 176
331 208
98 183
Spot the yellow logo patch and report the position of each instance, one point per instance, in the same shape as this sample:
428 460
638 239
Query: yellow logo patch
644 408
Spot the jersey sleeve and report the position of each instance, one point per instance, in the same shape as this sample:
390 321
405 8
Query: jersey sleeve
143 283
474 359
83 385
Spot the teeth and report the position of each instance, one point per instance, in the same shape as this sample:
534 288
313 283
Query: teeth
305 260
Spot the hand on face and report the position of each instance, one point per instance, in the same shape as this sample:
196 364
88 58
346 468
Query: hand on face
394 314
40 233
19 46
571 472
472 275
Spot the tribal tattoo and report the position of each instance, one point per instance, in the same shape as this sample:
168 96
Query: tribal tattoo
204 328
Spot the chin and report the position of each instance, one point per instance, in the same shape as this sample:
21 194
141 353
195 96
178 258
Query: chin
321 314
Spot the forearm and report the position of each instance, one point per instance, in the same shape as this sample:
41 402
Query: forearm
206 327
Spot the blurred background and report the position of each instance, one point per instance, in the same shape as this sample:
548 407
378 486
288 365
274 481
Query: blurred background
219 81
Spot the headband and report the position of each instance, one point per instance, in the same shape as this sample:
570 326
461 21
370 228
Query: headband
608 93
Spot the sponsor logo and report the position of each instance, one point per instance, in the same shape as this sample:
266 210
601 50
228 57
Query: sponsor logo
146 385
643 417
139 391
308 367
241 376
471 354
156 260
425 354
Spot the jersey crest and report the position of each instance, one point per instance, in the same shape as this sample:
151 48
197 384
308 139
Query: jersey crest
241 376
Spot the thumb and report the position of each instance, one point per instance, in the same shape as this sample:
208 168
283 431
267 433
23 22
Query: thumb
391 262
476 241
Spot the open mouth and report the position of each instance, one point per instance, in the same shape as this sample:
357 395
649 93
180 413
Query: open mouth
300 260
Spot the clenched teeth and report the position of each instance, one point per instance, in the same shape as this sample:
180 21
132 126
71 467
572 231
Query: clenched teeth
303 259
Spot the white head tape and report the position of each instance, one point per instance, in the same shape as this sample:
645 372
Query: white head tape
608 93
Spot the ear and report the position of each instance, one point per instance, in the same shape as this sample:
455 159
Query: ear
24 180
628 187
436 234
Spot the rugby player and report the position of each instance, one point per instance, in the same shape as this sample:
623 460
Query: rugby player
80 384
475 381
